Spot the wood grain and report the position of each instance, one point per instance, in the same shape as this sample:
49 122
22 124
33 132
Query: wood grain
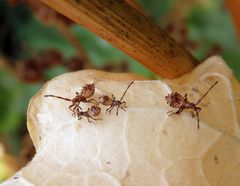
125 28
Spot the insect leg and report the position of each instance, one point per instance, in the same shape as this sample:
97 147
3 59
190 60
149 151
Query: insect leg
170 112
177 112
94 119
197 110
117 109
70 107
76 110
76 107
192 113
79 115
93 101
88 118
123 105
109 109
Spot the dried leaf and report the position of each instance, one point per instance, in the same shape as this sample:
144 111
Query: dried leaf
142 146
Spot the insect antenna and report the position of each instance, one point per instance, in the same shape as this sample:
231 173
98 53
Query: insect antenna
126 90
59 97
205 93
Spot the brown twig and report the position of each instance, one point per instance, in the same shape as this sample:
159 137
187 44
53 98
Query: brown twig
124 27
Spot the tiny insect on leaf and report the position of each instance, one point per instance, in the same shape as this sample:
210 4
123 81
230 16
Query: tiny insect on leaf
91 112
113 102
85 96
176 100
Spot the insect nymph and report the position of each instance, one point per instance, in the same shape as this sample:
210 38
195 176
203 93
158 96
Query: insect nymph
90 113
176 100
113 102
84 96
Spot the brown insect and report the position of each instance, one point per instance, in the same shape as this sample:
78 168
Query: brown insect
91 112
176 100
113 102
84 96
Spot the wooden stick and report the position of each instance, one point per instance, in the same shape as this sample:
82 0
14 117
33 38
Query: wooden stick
122 26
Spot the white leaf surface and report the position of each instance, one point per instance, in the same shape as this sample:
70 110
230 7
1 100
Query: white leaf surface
142 146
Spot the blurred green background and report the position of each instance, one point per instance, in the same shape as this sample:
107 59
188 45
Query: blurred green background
34 47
